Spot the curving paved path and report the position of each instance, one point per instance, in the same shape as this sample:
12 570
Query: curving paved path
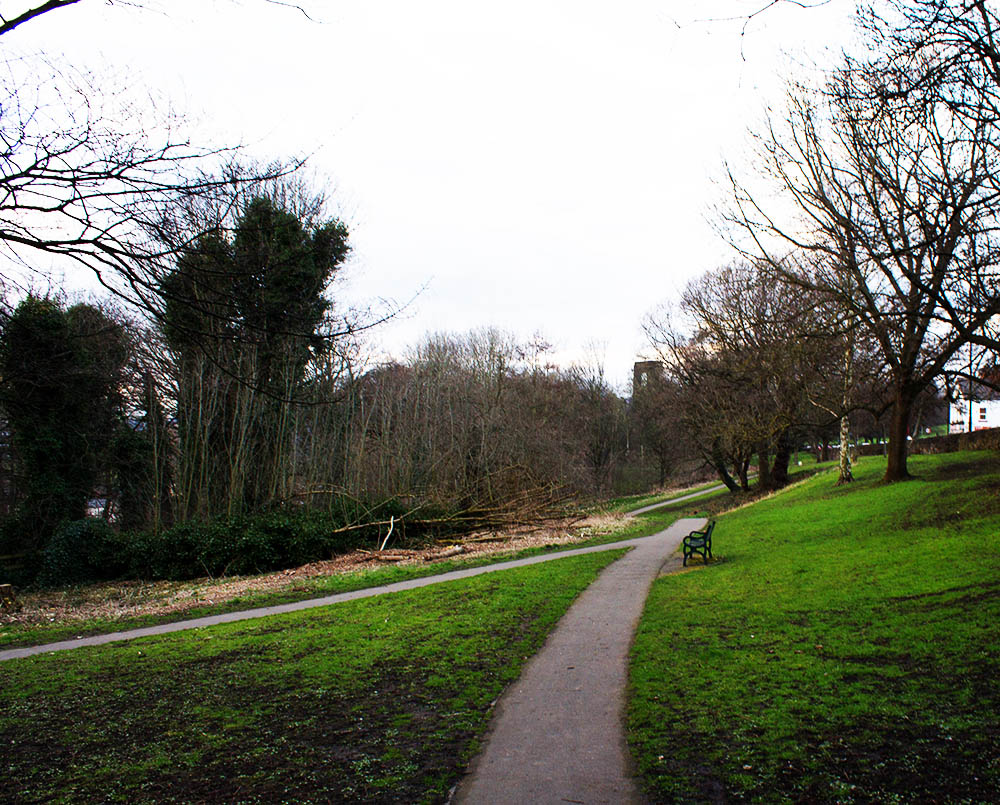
558 734
672 501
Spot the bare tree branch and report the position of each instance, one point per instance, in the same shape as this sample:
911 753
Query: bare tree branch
8 25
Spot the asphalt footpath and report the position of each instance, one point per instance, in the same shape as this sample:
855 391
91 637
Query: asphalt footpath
672 501
557 734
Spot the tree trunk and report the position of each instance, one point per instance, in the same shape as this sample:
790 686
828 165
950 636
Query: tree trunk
782 455
846 476
764 479
741 468
898 448
720 467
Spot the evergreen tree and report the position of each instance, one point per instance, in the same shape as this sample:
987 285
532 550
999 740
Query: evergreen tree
62 374
245 314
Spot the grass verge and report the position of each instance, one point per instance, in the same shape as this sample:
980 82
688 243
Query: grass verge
377 700
843 649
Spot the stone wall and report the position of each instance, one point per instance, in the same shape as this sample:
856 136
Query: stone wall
952 442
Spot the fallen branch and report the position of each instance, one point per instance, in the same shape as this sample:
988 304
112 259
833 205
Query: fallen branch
392 522
392 557
453 551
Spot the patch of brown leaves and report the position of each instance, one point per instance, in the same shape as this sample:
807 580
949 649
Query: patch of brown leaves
128 599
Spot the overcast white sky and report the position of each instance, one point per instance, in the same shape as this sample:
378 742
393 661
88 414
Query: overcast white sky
536 165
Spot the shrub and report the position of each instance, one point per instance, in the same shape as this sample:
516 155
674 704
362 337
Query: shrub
241 545
169 554
81 551
88 550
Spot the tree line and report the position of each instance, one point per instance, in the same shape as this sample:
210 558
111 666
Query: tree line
220 414
865 232
247 396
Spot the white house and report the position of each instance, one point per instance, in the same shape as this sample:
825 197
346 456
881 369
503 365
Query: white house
985 414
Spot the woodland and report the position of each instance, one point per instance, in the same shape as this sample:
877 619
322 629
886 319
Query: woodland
220 411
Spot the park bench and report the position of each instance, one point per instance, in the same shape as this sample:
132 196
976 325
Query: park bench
699 542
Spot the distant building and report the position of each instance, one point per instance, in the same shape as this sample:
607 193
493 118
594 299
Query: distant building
645 372
977 403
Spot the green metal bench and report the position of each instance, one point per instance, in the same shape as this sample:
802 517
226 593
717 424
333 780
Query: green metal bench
699 542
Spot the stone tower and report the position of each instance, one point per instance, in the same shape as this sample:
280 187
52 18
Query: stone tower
645 372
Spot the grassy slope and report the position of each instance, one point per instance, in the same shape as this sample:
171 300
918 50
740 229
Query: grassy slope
846 648
802 464
374 700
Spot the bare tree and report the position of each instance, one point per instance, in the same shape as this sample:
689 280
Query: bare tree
33 10
655 409
757 361
893 216
30 12
90 172
950 48
600 418
711 398
87 179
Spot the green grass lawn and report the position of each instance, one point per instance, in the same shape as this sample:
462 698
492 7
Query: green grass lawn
379 700
936 430
845 647
808 465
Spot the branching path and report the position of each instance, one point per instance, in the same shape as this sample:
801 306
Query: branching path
557 734
672 501
261 612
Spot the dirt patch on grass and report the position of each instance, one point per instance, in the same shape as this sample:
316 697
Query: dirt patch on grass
970 468
964 596
906 761
859 761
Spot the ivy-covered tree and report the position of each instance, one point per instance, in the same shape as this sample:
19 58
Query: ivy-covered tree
246 312
62 379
